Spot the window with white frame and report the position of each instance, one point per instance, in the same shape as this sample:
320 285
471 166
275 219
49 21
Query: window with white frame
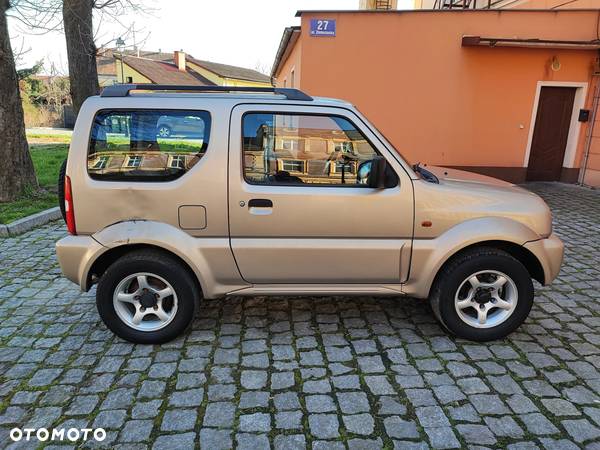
343 146
101 163
177 162
133 161
293 165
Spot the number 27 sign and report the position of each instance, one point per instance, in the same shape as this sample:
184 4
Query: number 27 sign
322 27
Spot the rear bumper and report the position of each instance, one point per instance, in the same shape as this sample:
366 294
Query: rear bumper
549 253
76 255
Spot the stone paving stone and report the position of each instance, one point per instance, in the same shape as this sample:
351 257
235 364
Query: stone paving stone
215 439
504 426
290 442
327 373
399 428
538 424
178 420
359 423
255 422
389 406
476 434
324 426
254 399
288 420
247 441
353 402
581 430
219 414
184 441
442 437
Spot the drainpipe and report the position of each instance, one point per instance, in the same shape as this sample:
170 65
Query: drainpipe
590 130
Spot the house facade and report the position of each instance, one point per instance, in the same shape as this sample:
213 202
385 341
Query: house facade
172 68
505 92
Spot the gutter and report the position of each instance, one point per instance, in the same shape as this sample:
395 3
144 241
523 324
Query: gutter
288 32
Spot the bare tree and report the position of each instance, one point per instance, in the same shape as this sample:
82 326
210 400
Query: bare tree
76 18
16 167
81 50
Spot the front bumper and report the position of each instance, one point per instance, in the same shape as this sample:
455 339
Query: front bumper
549 252
76 255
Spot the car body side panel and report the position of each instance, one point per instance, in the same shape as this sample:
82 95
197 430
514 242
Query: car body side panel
100 203
429 255
210 258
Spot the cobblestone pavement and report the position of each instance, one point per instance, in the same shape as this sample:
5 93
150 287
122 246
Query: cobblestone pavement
355 373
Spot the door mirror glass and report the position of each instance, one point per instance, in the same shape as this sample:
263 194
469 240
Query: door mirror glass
377 174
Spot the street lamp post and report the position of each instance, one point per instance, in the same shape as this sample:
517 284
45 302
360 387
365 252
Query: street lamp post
120 43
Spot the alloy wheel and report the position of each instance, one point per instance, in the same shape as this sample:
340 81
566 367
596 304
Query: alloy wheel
145 301
486 299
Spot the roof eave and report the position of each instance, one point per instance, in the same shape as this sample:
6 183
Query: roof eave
282 50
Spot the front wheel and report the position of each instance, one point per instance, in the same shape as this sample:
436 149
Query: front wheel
483 294
147 297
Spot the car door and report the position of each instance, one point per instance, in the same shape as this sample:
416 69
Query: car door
299 210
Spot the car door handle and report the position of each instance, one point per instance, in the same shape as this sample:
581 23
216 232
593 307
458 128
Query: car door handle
260 207
260 203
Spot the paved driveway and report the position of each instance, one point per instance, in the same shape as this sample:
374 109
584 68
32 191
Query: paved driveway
354 373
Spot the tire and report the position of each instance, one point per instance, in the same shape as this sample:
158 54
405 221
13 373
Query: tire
61 189
161 271
456 302
164 131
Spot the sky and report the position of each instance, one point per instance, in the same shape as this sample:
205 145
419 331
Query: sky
245 33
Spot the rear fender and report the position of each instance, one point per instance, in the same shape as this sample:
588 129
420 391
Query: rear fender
210 259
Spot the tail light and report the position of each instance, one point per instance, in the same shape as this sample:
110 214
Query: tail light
69 211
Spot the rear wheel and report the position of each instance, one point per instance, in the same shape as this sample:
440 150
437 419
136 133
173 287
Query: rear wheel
147 297
482 294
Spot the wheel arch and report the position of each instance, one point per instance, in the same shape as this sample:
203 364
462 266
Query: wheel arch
199 255
108 257
520 253
430 256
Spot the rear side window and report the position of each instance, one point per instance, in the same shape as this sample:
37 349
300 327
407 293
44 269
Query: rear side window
147 145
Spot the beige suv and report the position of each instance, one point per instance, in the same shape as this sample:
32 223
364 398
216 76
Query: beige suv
268 191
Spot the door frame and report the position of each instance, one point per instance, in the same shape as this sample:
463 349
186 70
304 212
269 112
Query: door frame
574 124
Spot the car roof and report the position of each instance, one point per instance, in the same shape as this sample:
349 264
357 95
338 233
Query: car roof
243 97
243 93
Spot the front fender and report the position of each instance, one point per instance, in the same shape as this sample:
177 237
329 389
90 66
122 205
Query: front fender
210 259
429 255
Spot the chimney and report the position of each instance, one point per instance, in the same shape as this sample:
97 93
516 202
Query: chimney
179 59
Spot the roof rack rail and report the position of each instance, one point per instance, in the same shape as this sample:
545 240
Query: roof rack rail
122 90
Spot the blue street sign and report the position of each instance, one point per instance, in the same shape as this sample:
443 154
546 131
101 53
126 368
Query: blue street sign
322 27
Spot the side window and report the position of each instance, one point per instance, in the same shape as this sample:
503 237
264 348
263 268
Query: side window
304 149
146 145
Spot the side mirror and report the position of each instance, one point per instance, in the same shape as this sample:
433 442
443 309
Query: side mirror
376 178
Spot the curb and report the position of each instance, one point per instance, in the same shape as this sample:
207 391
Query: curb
30 222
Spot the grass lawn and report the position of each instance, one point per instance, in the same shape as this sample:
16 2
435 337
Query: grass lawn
41 138
47 159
